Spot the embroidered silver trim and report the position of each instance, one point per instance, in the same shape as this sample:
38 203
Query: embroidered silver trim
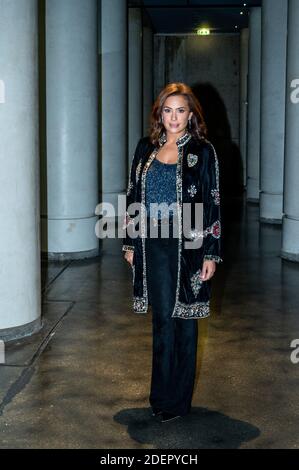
130 183
215 192
195 310
215 258
184 139
192 159
196 282
162 139
128 248
141 303
181 141
214 229
194 234
192 190
216 196
138 171
179 170
130 187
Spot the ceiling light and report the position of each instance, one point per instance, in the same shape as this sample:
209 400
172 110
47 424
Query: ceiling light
203 31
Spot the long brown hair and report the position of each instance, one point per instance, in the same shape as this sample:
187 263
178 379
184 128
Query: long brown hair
198 126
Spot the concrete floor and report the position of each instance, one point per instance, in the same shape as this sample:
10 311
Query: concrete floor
83 380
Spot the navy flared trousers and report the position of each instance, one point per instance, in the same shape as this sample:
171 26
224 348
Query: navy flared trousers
174 344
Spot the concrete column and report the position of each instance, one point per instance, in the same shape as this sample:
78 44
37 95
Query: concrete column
71 196
273 80
160 63
20 280
135 80
243 97
148 68
114 99
253 124
290 221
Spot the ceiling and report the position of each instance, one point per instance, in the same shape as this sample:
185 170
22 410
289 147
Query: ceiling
186 16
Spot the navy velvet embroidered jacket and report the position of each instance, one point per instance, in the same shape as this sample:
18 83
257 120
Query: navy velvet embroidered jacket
197 181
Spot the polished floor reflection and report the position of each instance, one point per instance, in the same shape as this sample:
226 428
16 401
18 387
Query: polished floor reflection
83 381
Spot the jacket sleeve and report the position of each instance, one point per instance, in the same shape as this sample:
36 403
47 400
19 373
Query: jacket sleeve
128 243
211 208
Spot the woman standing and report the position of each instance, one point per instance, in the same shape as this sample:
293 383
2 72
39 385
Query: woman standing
175 165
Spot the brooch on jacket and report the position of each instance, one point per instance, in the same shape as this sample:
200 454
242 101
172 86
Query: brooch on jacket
192 159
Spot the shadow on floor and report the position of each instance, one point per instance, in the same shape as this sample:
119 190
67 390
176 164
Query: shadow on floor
200 429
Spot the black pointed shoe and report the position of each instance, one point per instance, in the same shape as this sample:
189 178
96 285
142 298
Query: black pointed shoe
156 411
168 417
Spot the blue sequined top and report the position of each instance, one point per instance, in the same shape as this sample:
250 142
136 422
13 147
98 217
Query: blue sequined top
161 187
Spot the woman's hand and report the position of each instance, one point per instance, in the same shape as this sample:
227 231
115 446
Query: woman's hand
208 269
129 257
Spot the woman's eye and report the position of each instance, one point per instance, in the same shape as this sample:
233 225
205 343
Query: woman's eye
167 110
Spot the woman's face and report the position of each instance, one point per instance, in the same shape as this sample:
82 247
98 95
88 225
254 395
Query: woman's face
175 114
